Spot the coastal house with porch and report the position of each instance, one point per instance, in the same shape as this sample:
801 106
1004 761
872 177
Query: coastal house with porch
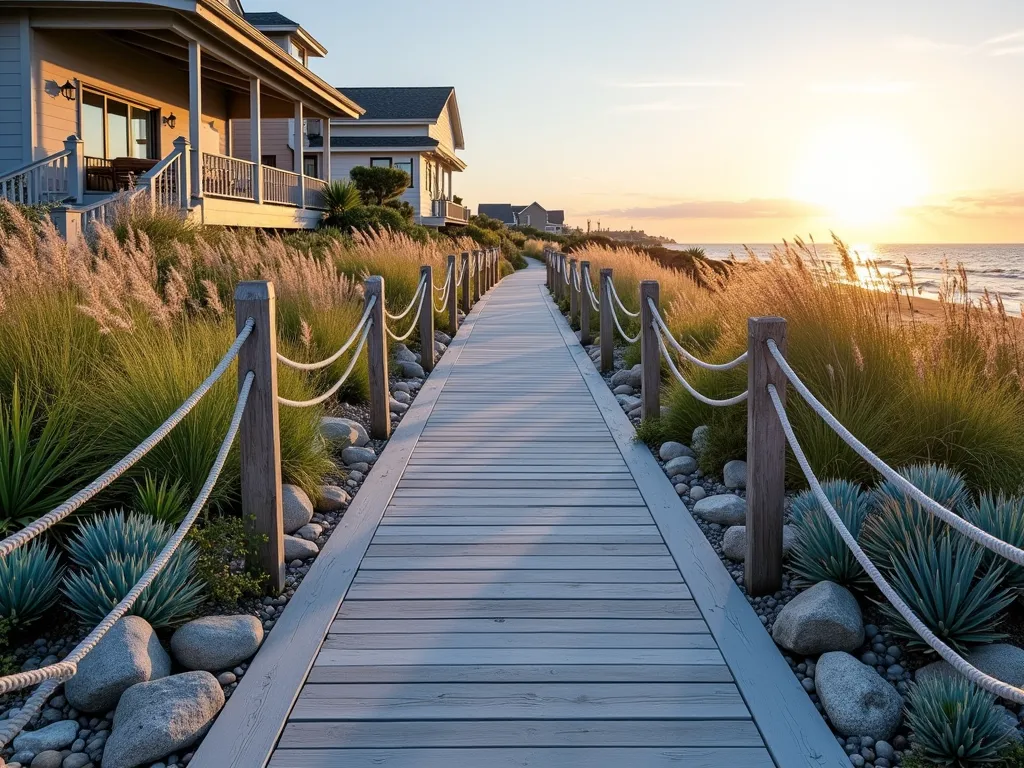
99 99
532 215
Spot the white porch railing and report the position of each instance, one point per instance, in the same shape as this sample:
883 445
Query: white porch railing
50 180
446 209
280 187
315 193
225 176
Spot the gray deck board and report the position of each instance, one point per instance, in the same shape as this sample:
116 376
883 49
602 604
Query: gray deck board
508 590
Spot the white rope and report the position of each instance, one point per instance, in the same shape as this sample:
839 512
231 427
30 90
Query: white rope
422 285
695 360
64 670
53 517
444 283
686 385
615 295
975 534
442 303
630 339
344 347
976 676
591 297
337 384
412 326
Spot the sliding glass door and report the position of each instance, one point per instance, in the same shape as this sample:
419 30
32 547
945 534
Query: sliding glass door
112 128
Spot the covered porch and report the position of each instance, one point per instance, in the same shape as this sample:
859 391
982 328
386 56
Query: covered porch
444 209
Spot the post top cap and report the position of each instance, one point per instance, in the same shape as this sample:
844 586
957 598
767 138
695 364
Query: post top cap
254 290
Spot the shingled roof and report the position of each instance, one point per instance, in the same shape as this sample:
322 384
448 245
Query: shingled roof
500 211
400 103
424 142
270 19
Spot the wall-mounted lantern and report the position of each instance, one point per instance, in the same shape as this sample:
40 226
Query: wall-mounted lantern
170 120
69 91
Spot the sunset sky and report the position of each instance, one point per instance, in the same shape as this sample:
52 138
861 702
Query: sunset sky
717 122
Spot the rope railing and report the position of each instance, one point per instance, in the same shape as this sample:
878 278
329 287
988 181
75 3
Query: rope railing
618 326
961 665
618 301
685 353
415 297
52 675
689 387
338 384
412 326
591 297
337 355
53 517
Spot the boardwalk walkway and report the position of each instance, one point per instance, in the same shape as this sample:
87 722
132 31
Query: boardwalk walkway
519 586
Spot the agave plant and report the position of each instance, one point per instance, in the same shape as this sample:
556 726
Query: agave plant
935 575
955 723
112 553
29 580
341 196
820 554
161 499
1003 517
944 485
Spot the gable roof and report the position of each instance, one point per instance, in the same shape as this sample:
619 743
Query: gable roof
503 212
272 22
424 104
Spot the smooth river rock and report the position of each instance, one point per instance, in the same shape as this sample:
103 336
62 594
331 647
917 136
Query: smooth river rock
826 617
1000 660
354 455
296 548
734 474
734 542
410 370
699 440
724 509
681 465
215 643
673 450
129 653
332 498
296 507
342 433
54 736
859 702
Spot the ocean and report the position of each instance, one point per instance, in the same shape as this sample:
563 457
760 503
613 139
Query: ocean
998 268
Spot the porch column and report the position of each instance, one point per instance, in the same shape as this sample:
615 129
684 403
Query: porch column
449 194
438 184
256 139
195 115
325 172
300 153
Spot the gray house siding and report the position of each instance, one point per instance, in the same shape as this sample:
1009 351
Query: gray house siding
13 89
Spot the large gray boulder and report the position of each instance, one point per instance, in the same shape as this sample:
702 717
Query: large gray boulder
296 548
620 377
858 701
403 354
215 643
734 542
699 440
157 718
129 653
342 433
999 660
673 450
332 498
724 509
734 474
296 507
824 618
410 370
636 377
54 736
355 455
682 465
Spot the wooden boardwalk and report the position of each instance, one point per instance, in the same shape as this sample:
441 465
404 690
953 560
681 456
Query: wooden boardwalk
518 585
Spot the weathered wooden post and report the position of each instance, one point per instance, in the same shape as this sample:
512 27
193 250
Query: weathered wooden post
560 277
650 352
377 358
427 320
585 306
548 261
477 278
574 295
607 322
496 267
453 297
467 291
766 458
488 260
259 434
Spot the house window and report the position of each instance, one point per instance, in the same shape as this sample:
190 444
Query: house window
380 162
112 128
310 166
406 165
269 160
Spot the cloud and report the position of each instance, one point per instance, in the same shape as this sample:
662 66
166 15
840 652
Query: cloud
654 106
1009 37
636 84
914 44
754 208
996 204
1017 50
1007 44
881 88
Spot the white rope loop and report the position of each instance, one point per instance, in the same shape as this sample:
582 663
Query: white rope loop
63 670
627 337
338 383
976 676
686 385
415 297
344 347
591 297
975 534
695 360
444 283
53 517
622 307
412 326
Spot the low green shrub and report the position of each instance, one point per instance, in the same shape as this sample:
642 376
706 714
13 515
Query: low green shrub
942 579
517 260
365 218
955 723
29 583
819 553
650 431
227 559
112 551
161 499
1003 517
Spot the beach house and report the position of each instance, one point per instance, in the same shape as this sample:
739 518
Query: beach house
99 98
532 215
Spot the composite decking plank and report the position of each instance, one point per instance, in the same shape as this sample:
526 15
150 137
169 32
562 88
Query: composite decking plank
504 591
519 626
522 673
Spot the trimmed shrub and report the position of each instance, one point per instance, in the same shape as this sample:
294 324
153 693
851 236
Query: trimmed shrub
819 553
379 185
367 218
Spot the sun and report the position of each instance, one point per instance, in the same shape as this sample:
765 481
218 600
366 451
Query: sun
861 171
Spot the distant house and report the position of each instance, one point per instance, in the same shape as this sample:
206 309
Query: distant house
415 129
532 215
